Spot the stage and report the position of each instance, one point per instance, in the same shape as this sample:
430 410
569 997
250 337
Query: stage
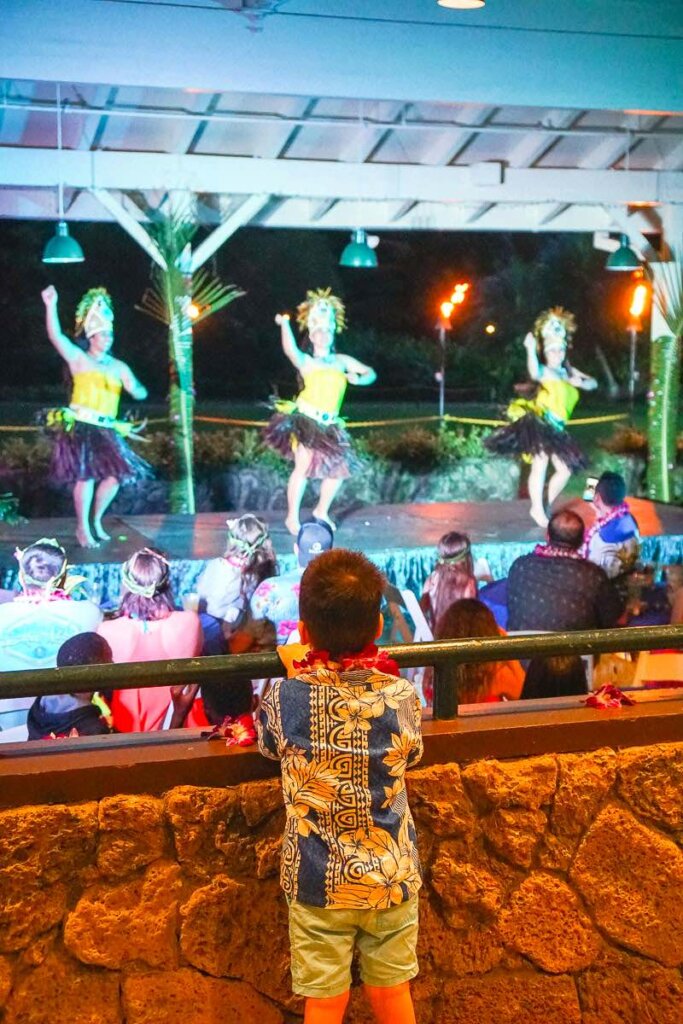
400 539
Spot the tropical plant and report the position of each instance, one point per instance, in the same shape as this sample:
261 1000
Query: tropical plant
667 294
178 297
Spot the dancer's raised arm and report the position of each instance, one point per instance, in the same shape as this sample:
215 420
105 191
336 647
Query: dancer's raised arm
289 345
533 365
64 345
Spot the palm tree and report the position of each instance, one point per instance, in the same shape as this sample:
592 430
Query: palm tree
179 298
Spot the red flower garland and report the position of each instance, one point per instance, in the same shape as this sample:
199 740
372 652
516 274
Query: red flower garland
371 658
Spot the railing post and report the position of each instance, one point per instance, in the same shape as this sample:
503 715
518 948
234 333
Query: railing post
445 691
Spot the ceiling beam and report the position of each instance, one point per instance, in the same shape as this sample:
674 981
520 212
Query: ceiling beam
39 204
133 227
315 179
241 216
532 147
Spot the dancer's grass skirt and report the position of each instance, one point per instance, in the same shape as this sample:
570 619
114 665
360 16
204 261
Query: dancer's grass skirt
533 435
329 443
87 452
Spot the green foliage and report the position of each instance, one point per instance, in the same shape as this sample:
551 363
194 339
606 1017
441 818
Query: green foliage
18 455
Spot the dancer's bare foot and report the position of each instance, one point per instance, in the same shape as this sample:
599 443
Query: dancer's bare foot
538 515
324 519
100 532
85 538
293 525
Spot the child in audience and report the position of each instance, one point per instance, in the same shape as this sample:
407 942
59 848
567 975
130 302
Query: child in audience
560 676
452 579
70 714
345 730
227 584
227 706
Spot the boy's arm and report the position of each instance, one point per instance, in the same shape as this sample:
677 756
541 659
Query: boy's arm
266 719
418 746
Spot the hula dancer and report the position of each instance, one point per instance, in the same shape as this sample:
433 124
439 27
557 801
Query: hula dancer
90 452
536 431
309 430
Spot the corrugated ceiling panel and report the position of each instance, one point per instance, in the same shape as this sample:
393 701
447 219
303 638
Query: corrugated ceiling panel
234 138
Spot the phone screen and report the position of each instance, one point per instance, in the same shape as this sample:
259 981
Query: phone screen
589 489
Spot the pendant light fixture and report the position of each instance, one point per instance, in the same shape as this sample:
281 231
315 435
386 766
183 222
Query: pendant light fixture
359 252
61 248
624 259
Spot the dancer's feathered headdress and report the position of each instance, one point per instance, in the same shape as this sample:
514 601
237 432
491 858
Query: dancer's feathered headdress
94 313
321 295
558 313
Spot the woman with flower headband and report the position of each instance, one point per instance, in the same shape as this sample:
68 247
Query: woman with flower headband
44 614
451 580
309 430
90 453
148 628
536 431
226 585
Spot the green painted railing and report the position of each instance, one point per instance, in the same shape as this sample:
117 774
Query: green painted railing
444 655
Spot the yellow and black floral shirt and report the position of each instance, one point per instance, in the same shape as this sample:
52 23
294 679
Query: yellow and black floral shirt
345 740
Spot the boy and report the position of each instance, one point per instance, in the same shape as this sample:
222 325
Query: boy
345 729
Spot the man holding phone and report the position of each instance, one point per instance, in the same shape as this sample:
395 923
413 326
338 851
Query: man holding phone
613 541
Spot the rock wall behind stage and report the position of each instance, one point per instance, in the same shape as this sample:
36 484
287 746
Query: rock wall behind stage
554 895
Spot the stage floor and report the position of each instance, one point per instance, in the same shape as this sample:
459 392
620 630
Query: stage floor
400 538
366 529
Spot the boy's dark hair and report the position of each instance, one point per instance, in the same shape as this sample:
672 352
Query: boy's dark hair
566 528
232 698
612 488
339 601
560 676
84 649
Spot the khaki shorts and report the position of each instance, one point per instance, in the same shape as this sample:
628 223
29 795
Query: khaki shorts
323 942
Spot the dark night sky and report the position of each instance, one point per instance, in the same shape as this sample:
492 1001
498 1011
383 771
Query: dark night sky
391 310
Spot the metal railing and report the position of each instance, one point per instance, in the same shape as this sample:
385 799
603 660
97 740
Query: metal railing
444 656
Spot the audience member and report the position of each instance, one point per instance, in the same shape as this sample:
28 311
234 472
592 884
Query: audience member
277 598
675 594
71 714
148 628
483 681
451 580
226 585
220 703
560 676
349 877
613 541
554 588
37 622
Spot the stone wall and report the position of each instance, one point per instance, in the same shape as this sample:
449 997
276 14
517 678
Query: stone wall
553 895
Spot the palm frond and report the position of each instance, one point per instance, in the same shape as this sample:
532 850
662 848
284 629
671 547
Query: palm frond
667 290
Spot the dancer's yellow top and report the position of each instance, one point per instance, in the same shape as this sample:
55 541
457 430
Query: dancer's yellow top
324 389
555 399
558 397
97 391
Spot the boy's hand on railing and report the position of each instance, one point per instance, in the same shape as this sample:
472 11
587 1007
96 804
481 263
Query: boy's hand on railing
183 698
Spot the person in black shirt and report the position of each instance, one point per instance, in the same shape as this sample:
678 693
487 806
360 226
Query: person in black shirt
555 588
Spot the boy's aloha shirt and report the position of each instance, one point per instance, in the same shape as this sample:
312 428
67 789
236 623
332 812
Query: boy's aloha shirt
345 735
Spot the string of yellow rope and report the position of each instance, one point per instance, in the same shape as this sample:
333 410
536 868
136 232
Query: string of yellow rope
354 425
